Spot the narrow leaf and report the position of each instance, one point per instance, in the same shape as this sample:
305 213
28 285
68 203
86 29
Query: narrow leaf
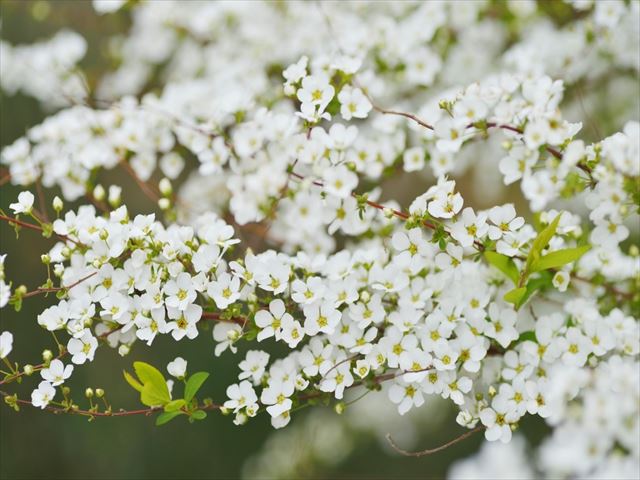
132 381
542 240
503 263
193 385
559 258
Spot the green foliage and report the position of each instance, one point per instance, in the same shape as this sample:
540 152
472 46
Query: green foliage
151 384
193 385
503 263
559 258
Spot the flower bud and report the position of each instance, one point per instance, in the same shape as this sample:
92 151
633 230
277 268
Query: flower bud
57 204
165 187
340 408
115 196
46 259
58 269
66 390
241 418
99 392
47 355
164 204
123 350
28 369
99 193
88 393
66 252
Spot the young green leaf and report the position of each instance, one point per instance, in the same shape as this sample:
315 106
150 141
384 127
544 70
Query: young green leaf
503 263
542 240
132 381
199 415
193 385
151 384
515 296
559 258
175 405
167 417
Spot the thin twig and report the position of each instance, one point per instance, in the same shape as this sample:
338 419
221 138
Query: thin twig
430 451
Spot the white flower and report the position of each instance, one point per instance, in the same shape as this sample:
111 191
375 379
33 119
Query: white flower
25 203
82 348
6 344
42 395
406 396
561 281
226 334
224 290
56 373
241 395
253 365
353 103
498 420
177 368
184 322
504 220
276 395
340 181
270 321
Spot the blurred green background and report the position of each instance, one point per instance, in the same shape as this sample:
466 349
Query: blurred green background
34 444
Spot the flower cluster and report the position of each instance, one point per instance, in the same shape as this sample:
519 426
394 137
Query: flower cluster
277 235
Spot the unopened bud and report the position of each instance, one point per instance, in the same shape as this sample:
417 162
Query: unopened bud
99 193
99 392
66 391
46 259
88 393
28 369
340 408
57 204
115 193
164 204
66 252
165 187
47 355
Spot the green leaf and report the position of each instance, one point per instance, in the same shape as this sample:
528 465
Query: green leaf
151 384
193 385
199 415
152 397
503 263
519 296
559 258
175 405
542 240
166 417
132 381
515 296
529 335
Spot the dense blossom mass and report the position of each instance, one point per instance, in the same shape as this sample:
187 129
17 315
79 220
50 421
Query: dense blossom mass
280 123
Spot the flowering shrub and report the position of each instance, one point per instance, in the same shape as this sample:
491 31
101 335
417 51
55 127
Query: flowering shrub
280 124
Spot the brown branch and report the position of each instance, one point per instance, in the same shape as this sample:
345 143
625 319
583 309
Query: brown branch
57 289
146 188
119 413
37 228
430 451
